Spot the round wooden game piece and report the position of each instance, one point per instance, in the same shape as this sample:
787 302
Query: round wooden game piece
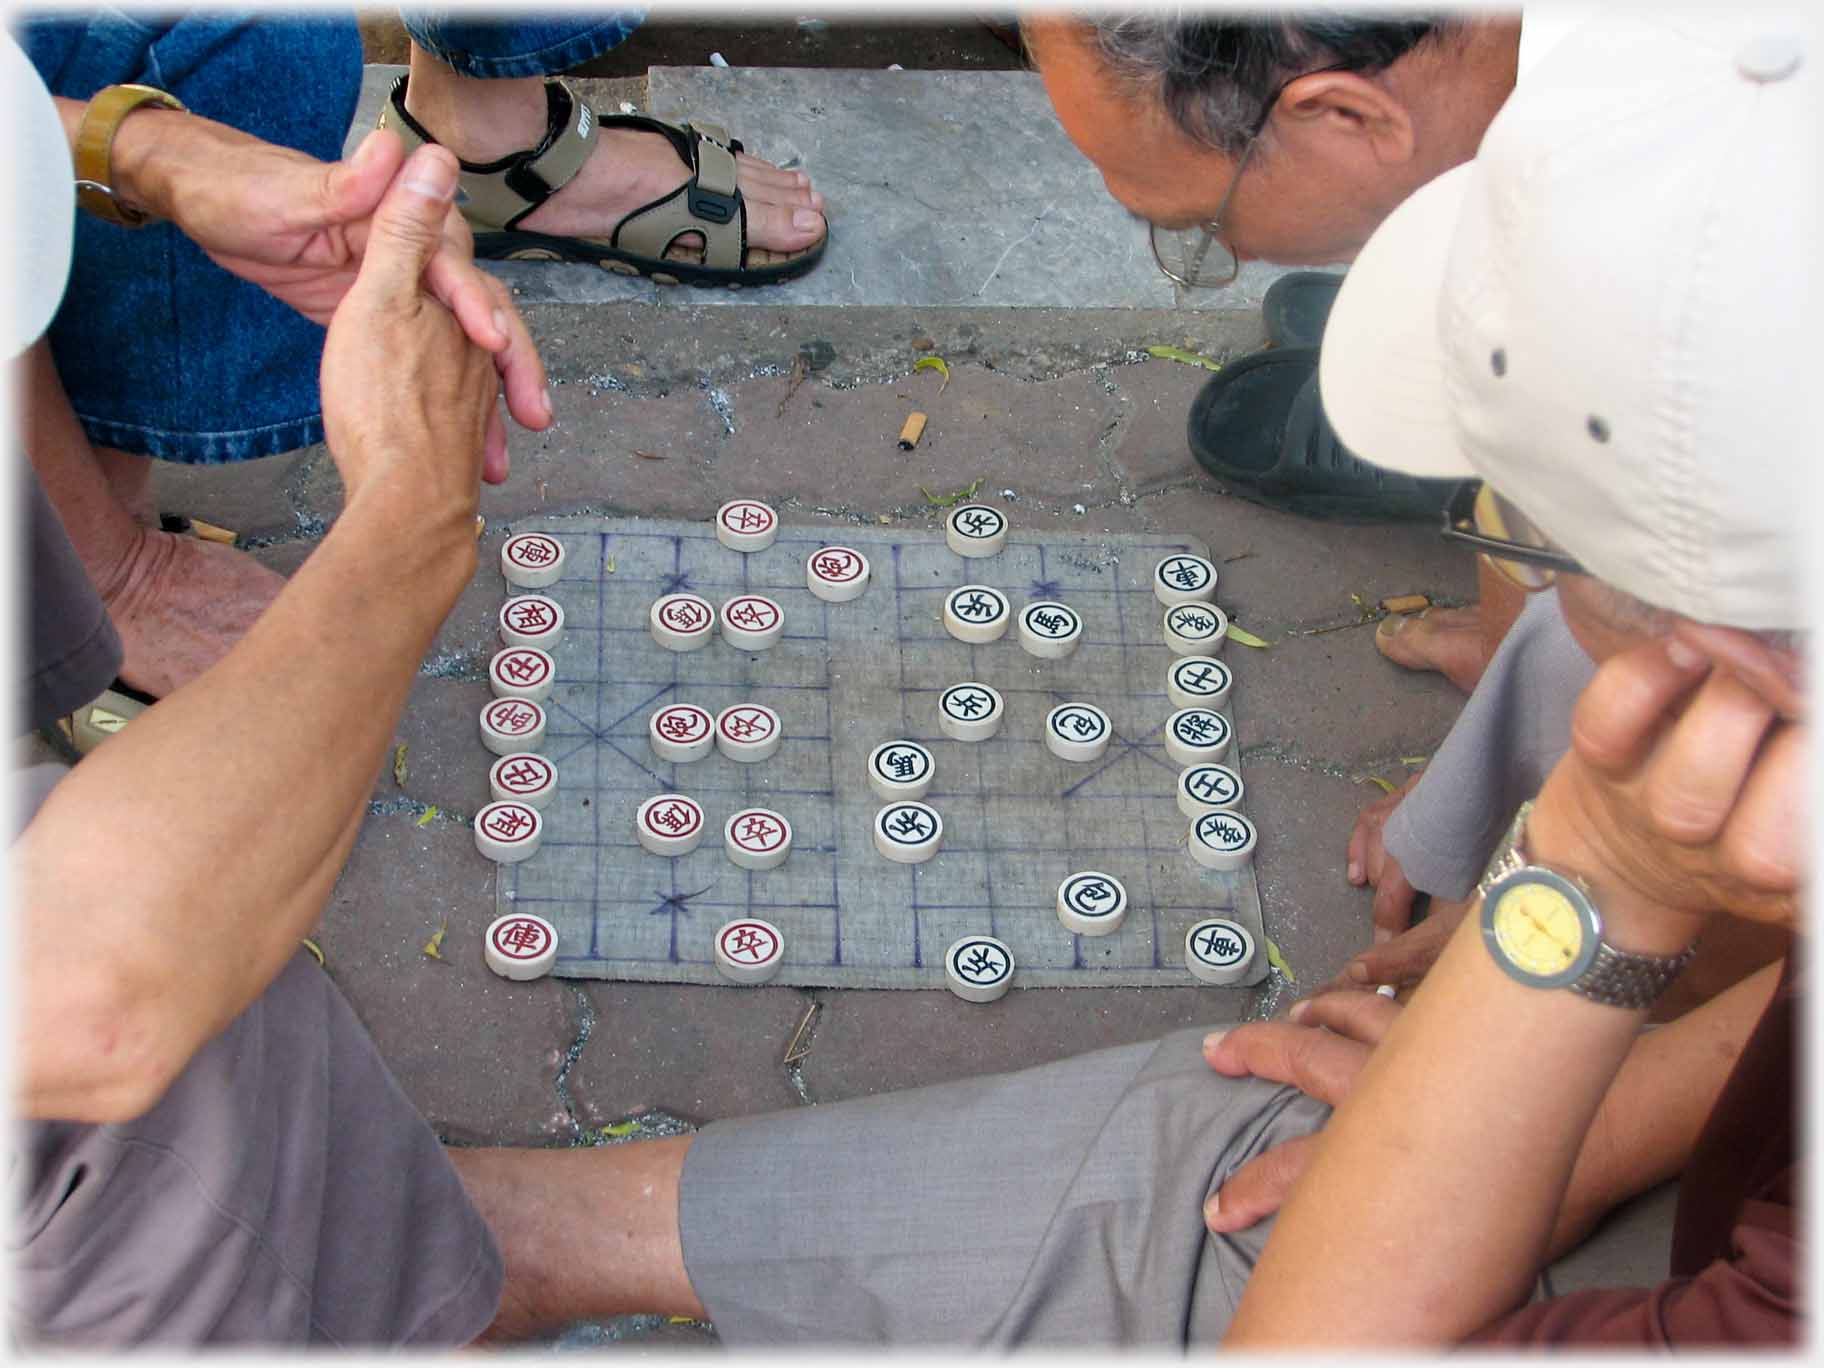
669 824
975 530
1195 629
681 732
509 725
520 946
751 622
532 560
1222 840
978 968
1208 788
749 950
523 778
1196 736
522 672
969 712
1077 731
1184 579
1218 951
746 525
900 769
1091 903
1050 631
509 831
977 613
531 620
1198 682
837 574
749 732
907 832
757 838
682 622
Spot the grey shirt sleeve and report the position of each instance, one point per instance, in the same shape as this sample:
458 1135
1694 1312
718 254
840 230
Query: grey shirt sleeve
1511 732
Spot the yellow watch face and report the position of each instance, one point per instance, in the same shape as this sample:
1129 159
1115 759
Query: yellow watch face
1537 928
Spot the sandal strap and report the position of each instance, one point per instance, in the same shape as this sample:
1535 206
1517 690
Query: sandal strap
708 203
498 194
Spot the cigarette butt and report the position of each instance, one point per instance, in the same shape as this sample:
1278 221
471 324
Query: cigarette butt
1405 603
210 532
912 431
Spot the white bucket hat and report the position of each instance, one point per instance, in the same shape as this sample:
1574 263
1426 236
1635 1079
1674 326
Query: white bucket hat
37 239
1606 315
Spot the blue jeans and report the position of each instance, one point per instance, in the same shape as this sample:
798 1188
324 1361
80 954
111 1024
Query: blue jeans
525 45
161 351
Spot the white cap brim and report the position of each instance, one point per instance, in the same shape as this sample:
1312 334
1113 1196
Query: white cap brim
1381 371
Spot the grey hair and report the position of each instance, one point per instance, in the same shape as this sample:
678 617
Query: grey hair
1216 70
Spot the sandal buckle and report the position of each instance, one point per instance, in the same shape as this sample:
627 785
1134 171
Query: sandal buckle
709 206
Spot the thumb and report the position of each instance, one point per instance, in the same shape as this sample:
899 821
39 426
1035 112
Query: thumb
408 225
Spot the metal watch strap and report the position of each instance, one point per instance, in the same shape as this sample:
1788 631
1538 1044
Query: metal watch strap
1615 978
1618 979
94 151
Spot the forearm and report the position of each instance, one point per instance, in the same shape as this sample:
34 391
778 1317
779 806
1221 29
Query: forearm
1443 1173
173 872
1653 1112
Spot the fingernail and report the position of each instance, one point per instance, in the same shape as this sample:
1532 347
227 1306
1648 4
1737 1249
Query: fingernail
1382 935
500 322
1358 971
546 398
1387 990
806 219
431 173
1212 1206
1355 871
1390 626
1298 1010
1681 655
1213 1039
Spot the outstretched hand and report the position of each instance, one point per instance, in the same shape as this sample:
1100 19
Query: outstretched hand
1320 1051
299 228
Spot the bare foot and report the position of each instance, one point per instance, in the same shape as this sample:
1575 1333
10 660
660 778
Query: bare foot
1448 640
481 121
180 604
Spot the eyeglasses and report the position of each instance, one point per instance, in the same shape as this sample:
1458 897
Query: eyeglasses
1509 540
1199 257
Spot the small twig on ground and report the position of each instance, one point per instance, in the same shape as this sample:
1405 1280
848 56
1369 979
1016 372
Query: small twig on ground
792 381
792 1053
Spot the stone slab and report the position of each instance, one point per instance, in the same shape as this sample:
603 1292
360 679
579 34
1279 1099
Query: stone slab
943 189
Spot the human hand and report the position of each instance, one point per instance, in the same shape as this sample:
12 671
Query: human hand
1369 862
298 227
1684 788
1404 960
1320 1051
408 398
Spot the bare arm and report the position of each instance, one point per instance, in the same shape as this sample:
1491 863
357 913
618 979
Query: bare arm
170 876
1444 1172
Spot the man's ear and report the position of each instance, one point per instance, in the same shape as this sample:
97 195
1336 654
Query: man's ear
1354 115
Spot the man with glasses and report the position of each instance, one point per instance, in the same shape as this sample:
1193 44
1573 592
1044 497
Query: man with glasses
1290 138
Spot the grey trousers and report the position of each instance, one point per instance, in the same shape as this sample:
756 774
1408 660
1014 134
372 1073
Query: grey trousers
1058 1206
1511 732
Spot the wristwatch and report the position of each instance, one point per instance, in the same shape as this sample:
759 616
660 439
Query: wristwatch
94 154
1541 925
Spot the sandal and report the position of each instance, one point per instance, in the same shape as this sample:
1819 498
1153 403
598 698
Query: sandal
495 196
1257 426
104 716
